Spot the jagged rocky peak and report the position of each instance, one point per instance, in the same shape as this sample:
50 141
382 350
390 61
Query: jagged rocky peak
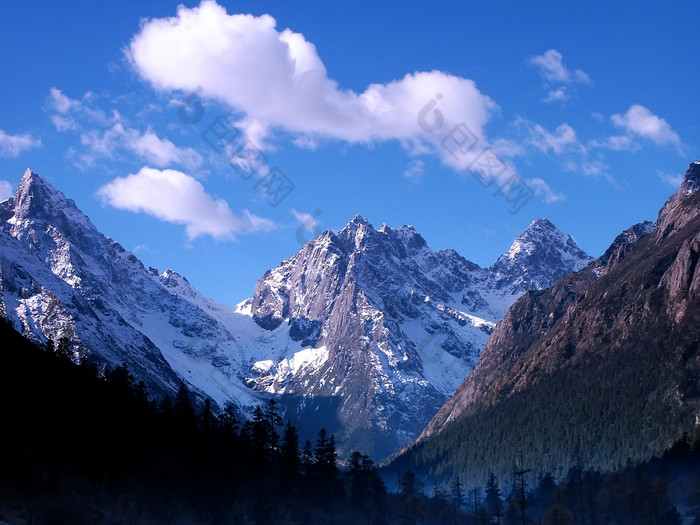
357 226
538 256
691 181
618 249
36 200
35 197
172 278
682 206
539 234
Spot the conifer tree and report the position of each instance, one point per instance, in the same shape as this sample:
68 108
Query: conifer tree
228 422
206 418
494 504
272 410
290 462
183 409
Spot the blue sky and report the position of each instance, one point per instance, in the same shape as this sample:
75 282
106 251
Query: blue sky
466 119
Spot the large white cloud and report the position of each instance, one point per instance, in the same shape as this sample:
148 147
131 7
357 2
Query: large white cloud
639 121
173 196
13 145
276 79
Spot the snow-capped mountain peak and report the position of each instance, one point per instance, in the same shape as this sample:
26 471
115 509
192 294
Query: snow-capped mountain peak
538 253
36 199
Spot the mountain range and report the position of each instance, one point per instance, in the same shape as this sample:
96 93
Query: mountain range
364 331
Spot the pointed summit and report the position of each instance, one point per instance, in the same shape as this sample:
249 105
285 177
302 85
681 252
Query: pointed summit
682 206
356 222
355 231
32 195
691 181
37 201
539 233
33 181
539 255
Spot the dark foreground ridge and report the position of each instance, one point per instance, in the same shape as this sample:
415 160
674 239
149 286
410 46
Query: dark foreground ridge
606 362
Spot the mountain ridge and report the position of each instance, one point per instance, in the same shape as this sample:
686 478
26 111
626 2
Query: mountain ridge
366 331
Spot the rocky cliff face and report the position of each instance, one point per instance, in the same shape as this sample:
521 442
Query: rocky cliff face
365 331
395 327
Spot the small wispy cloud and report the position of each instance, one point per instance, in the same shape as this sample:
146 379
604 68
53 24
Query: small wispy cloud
68 114
415 170
672 179
175 197
557 76
564 146
561 140
307 221
551 68
13 145
639 121
105 135
616 143
542 189
557 95
5 190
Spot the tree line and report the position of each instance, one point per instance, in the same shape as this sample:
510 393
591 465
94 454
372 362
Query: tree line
663 491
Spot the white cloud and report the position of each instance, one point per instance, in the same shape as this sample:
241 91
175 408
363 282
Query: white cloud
569 151
594 168
13 145
641 122
173 196
68 111
277 80
557 95
307 221
5 190
617 143
158 151
62 103
508 147
105 136
415 170
673 179
542 189
552 69
557 77
562 139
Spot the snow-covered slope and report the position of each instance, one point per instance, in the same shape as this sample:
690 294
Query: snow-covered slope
366 332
